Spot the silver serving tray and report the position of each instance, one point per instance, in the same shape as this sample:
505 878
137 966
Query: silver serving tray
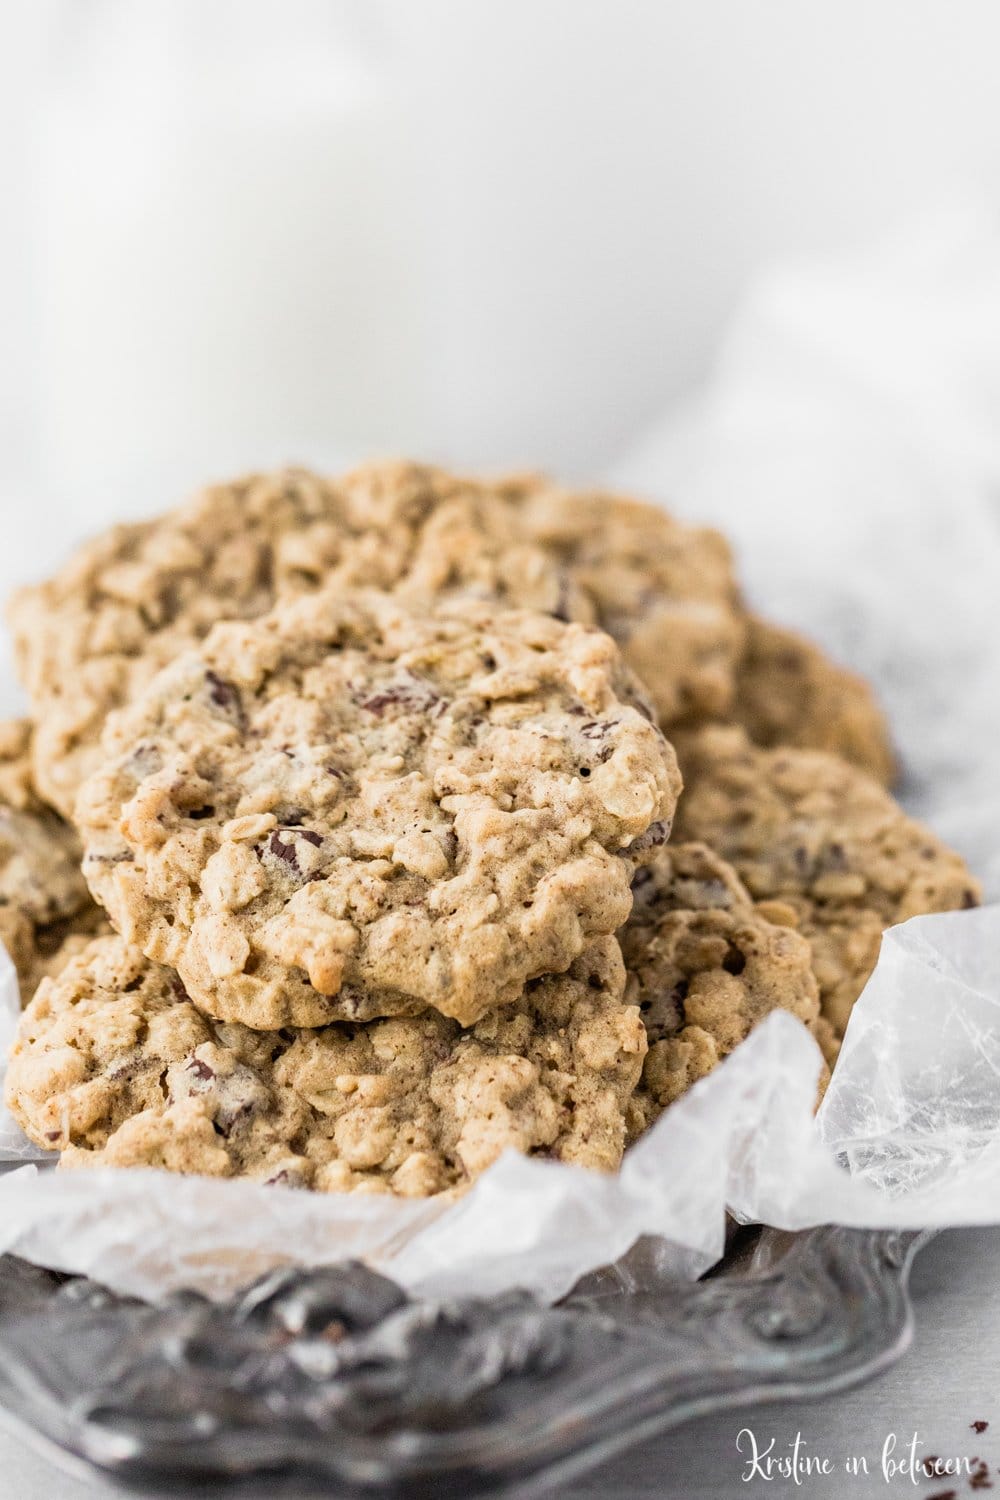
334 1379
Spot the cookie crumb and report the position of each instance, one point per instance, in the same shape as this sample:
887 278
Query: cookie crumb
979 1478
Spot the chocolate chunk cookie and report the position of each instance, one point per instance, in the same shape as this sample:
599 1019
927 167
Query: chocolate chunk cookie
664 591
822 846
17 787
788 692
356 807
704 968
113 1065
44 901
90 638
53 947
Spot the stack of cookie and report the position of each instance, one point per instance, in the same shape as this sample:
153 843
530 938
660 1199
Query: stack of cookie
386 866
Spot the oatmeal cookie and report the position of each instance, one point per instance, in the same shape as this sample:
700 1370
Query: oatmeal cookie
704 968
89 639
17 787
51 948
788 692
664 591
820 845
113 1065
44 901
356 807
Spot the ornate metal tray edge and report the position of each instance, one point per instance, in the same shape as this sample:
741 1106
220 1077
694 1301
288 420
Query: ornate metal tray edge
332 1379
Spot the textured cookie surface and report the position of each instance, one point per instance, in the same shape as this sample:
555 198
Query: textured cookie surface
355 808
44 901
90 638
822 845
788 692
17 788
665 591
114 1066
704 968
42 952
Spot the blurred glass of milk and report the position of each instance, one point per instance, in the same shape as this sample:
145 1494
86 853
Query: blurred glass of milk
229 271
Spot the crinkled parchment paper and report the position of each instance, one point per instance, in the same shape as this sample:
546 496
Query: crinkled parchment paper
913 1110
850 444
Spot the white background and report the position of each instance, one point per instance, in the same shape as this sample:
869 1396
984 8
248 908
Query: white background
573 191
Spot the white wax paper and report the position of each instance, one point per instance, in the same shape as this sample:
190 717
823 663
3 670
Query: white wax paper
850 445
913 1110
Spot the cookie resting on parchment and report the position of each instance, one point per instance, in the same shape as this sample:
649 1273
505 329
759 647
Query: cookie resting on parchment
114 1066
820 845
45 907
788 692
90 638
356 808
666 592
704 968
